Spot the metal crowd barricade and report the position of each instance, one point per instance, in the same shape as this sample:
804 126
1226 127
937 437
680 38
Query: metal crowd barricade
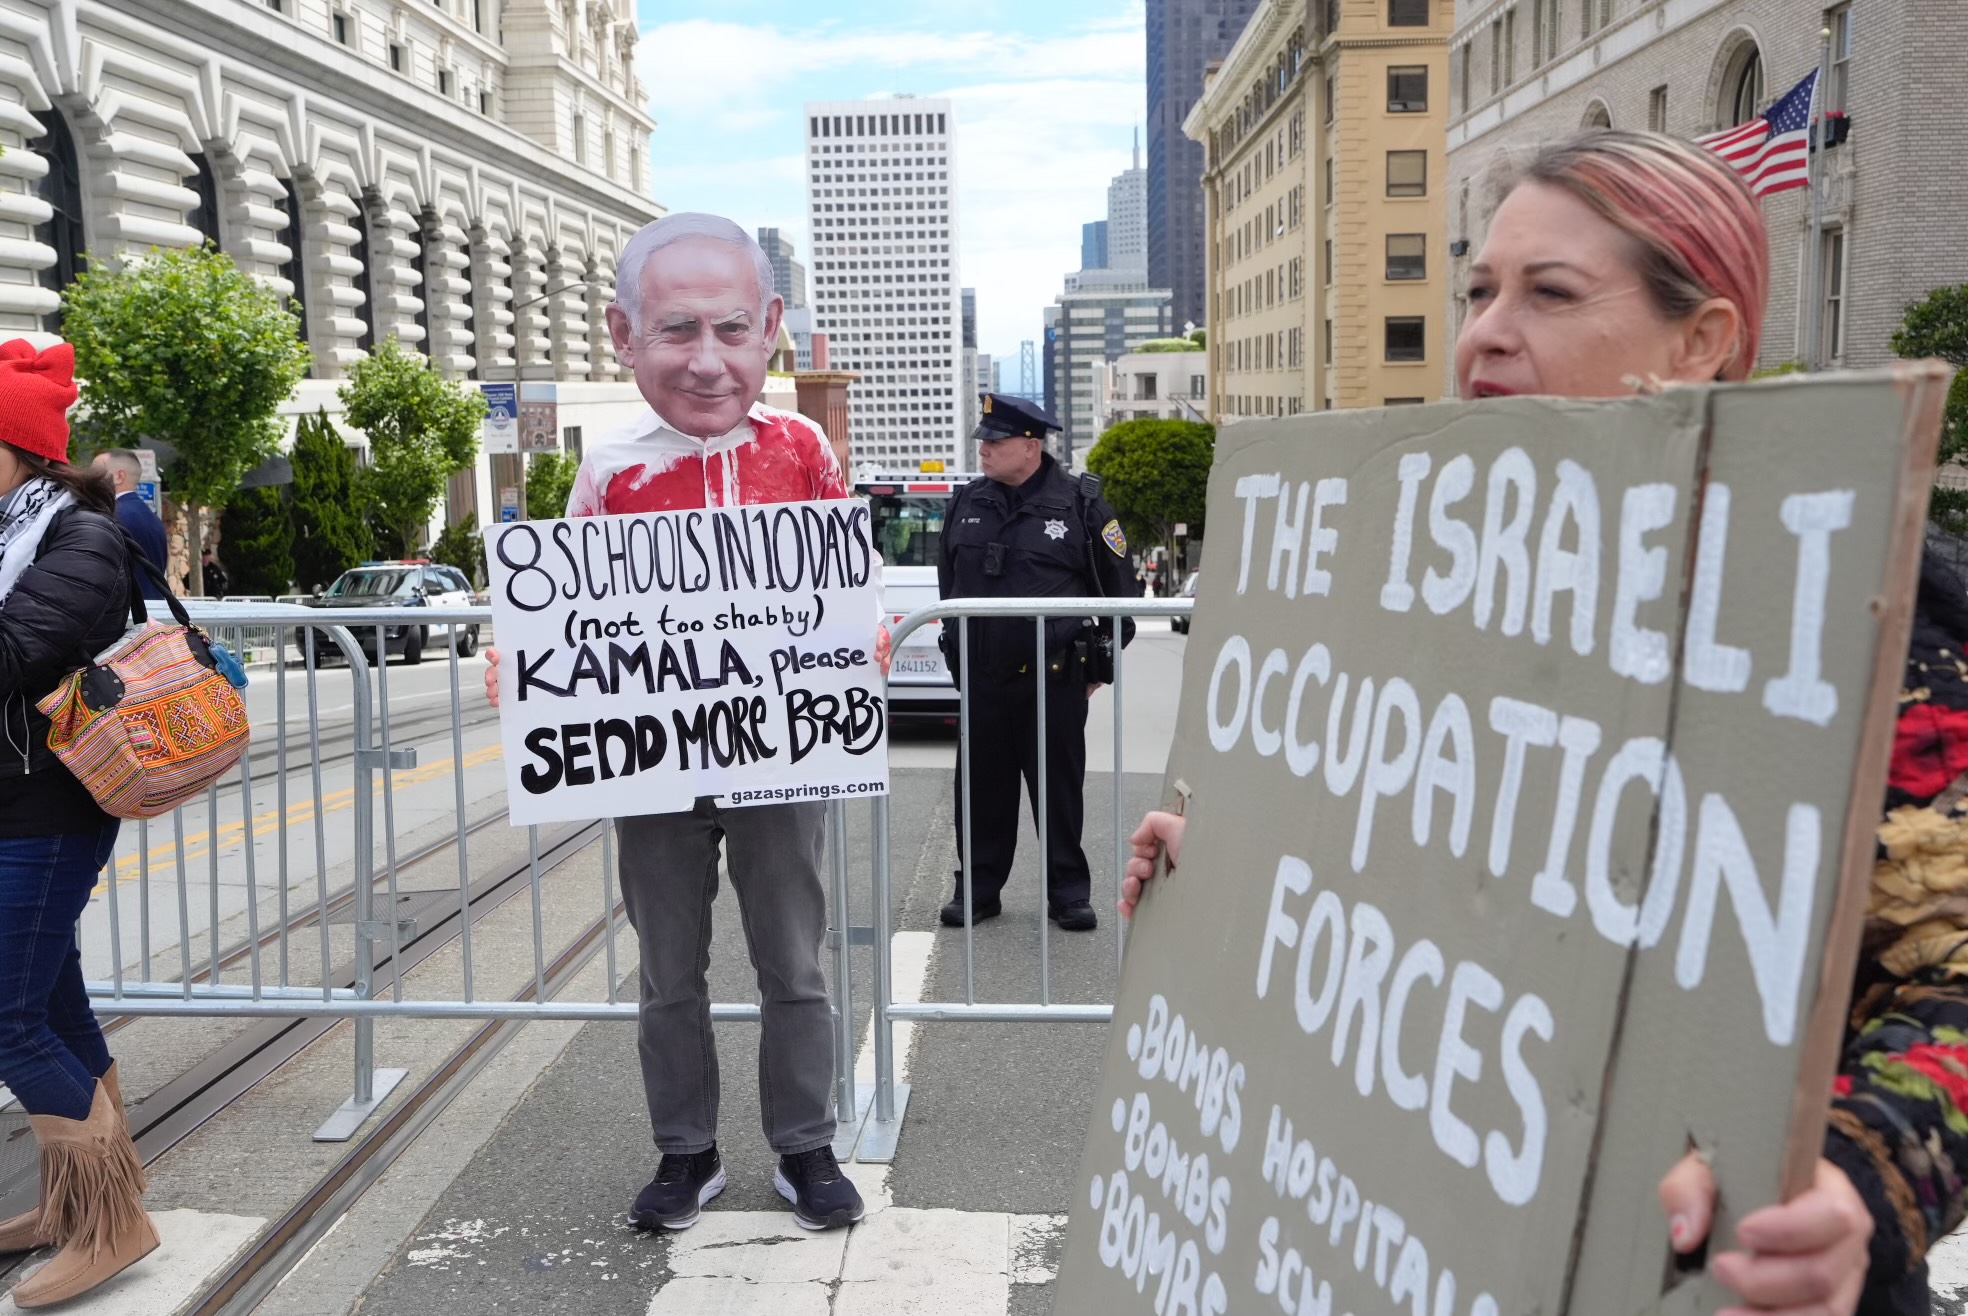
146 985
890 1098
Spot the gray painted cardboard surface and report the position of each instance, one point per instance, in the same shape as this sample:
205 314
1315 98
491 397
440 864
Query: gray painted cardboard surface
1421 1063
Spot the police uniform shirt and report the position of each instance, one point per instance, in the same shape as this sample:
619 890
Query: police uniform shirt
1043 539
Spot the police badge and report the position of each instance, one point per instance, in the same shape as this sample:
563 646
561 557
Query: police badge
1111 533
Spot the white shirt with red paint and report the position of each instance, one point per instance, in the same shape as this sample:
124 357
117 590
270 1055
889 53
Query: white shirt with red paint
649 466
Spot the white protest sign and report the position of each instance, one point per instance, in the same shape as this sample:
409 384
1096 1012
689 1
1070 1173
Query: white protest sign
651 659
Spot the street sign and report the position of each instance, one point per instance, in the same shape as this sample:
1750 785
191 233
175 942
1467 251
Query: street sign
508 504
1531 754
501 417
1181 529
147 481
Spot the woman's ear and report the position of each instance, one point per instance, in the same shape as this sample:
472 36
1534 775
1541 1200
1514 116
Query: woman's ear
1710 339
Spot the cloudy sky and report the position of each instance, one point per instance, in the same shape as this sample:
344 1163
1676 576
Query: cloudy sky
1048 94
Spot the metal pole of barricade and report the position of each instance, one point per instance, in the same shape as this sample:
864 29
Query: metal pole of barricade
458 791
280 782
843 966
389 809
1120 837
883 1026
143 898
965 796
1043 810
372 1087
608 899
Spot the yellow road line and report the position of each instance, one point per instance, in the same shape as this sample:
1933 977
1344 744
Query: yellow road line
198 844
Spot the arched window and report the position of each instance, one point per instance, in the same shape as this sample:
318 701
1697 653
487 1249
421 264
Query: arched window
61 189
1597 116
293 268
1743 88
205 218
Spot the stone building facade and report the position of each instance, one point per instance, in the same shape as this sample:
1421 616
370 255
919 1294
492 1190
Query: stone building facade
457 175
1322 134
1894 197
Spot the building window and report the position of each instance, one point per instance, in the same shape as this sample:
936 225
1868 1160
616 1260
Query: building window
1744 87
1834 296
1407 173
205 216
1496 57
340 23
580 131
1462 69
485 103
478 15
1597 116
1407 13
1332 97
1329 262
1544 32
1407 255
1657 110
1840 23
1197 385
1407 89
397 58
61 189
294 269
1328 342
1329 180
1402 402
1407 338
444 83
1509 46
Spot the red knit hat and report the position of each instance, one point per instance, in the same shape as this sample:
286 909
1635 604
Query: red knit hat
36 390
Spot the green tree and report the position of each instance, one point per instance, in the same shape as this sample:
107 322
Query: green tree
461 546
1156 473
421 428
330 534
549 479
1938 326
259 542
185 348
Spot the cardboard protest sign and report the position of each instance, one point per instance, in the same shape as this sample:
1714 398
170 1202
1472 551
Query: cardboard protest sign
655 658
1531 754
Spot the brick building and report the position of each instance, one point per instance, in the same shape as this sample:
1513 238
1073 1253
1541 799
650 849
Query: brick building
1895 197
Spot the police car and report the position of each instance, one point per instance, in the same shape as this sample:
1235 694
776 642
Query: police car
906 513
401 583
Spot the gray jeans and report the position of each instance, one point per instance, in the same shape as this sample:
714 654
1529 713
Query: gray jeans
669 872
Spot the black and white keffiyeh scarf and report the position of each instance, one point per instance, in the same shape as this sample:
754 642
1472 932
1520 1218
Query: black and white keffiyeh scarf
25 516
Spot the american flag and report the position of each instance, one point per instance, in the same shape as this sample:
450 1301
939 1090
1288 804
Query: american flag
1773 152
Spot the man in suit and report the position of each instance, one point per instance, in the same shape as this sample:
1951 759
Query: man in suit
135 516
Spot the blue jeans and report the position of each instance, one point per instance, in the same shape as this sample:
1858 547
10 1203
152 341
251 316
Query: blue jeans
51 1049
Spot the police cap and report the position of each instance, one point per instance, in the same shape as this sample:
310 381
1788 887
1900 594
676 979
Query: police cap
1005 417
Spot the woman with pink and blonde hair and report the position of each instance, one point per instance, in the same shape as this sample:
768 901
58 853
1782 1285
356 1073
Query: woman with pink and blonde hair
1622 262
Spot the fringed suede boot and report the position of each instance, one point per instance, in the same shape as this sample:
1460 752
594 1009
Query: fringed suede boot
24 1233
92 1194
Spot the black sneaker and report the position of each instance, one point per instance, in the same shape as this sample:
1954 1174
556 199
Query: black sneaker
1075 916
676 1196
822 1197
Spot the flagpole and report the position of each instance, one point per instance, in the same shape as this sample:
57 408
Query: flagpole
1814 251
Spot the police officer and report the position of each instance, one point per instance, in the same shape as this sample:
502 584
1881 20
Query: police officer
1028 529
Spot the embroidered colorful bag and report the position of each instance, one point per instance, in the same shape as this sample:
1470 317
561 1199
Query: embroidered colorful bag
152 721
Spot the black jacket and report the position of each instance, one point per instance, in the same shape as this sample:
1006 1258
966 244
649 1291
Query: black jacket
71 604
1047 538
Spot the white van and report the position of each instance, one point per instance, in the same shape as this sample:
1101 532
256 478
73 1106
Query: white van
907 515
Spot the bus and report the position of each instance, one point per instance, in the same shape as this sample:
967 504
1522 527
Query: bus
907 519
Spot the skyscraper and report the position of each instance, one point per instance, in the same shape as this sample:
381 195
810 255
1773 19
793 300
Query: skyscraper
1127 218
881 207
788 275
1183 37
